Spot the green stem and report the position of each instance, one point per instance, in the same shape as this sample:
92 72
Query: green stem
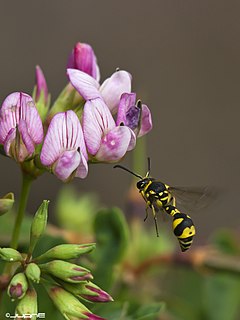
26 185
140 157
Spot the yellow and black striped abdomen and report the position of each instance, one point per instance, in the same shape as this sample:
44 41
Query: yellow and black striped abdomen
183 229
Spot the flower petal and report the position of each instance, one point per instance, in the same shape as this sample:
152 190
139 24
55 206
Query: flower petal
82 169
114 144
97 119
66 164
86 85
15 107
146 123
83 58
113 87
127 100
9 139
133 141
23 130
64 134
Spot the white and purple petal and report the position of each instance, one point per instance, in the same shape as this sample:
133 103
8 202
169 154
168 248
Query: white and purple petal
114 144
113 87
146 122
97 120
20 106
127 101
66 164
64 147
26 138
85 85
9 139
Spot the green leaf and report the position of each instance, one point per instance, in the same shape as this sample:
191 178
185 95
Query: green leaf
75 211
150 311
111 231
226 241
222 297
6 227
183 293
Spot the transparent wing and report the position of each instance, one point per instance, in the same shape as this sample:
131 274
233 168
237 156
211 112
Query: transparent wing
193 198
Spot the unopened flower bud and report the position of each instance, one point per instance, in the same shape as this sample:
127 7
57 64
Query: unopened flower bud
68 305
18 286
41 85
95 294
91 316
28 304
33 272
83 58
6 203
88 291
10 255
67 251
38 225
40 93
66 271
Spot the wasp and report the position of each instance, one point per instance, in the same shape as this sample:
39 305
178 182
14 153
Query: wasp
159 195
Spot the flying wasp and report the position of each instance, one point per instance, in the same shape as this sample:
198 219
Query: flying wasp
159 195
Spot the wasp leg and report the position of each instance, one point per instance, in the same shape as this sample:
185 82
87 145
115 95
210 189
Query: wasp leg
155 220
174 201
147 206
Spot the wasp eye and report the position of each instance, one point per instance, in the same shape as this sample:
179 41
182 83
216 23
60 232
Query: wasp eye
140 184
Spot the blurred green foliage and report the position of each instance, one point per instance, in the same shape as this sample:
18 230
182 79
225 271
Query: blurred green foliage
147 276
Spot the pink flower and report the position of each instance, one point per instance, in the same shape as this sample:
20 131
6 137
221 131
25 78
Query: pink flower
64 149
20 126
129 114
83 58
110 91
104 140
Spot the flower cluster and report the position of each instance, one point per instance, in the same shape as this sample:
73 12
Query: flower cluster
89 121
69 285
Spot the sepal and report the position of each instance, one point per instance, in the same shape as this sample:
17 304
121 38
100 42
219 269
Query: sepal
6 203
18 286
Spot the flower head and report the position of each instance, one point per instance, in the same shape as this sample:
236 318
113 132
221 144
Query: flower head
64 149
83 58
110 91
20 126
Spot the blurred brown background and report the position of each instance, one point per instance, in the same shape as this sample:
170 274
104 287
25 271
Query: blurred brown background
185 60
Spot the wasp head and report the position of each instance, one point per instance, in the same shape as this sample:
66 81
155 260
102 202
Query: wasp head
141 184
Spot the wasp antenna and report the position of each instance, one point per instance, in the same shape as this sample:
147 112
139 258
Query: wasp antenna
126 169
149 167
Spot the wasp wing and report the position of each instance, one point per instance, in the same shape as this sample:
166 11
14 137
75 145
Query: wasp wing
193 198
